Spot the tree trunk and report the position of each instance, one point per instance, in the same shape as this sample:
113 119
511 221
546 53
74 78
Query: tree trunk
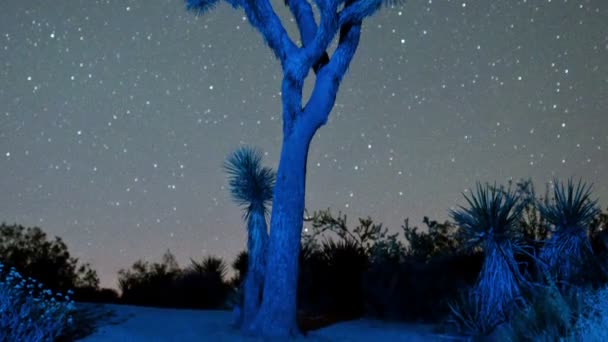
277 314
254 280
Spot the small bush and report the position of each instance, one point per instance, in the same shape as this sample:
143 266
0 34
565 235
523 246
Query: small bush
199 286
549 315
149 284
35 255
470 317
202 285
28 312
592 324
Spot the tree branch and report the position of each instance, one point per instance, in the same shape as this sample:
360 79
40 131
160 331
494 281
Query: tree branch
261 15
307 26
329 78
358 10
291 95
328 26
347 46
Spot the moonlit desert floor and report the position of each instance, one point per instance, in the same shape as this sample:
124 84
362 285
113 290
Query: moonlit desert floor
133 323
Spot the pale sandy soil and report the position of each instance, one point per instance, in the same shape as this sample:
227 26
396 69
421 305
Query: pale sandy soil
132 323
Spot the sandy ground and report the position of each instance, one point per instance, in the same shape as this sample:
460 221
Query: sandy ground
132 323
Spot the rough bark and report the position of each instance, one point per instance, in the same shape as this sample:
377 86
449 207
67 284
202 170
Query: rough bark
254 280
276 317
277 313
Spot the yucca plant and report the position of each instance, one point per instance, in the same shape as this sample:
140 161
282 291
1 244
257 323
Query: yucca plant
203 284
211 266
570 214
346 260
251 187
490 224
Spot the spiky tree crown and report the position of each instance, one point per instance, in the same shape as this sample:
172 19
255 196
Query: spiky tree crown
210 266
201 6
251 185
570 207
492 216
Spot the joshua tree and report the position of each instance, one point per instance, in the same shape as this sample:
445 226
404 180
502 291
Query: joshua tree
570 215
251 186
490 223
340 19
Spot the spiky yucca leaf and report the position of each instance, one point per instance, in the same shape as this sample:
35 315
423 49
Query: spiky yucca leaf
571 207
210 266
571 212
251 185
492 215
201 6
343 252
490 222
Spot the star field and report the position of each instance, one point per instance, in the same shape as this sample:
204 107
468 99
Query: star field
116 116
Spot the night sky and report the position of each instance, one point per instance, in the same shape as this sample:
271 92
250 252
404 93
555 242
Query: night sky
116 116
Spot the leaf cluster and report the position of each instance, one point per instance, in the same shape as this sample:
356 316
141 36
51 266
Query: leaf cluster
571 207
492 216
251 185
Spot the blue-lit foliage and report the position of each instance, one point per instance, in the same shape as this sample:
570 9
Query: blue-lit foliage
251 186
570 213
571 206
592 324
28 312
490 223
492 217
201 6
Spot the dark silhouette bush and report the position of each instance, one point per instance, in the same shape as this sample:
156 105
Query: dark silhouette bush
33 255
202 285
331 279
368 271
417 282
199 286
597 274
239 266
149 284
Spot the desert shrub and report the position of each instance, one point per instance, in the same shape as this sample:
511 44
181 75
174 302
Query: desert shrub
471 315
149 284
239 266
549 314
439 240
417 284
335 273
381 277
597 274
202 284
29 251
236 293
570 213
28 311
592 323
333 264
490 223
